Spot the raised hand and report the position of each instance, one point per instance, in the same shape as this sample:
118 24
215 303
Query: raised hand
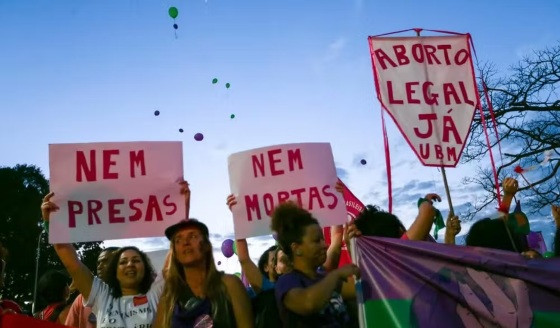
231 200
47 207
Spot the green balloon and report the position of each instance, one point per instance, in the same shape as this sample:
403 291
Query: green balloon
238 275
548 254
173 12
228 85
235 248
232 116
214 80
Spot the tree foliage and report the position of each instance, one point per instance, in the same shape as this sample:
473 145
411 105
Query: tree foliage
23 188
526 106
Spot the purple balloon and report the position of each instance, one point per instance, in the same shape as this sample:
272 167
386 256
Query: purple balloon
363 162
227 248
219 262
199 136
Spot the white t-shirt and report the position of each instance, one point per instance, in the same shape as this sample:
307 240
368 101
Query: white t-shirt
135 311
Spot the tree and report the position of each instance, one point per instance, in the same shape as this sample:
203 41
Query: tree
526 107
23 188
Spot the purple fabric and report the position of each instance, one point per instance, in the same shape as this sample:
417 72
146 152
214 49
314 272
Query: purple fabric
458 286
332 315
535 241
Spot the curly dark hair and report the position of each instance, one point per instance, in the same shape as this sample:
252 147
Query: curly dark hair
263 260
289 221
372 221
111 273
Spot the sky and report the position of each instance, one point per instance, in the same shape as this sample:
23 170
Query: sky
299 71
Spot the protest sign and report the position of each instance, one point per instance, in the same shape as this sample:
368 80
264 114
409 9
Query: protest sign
428 87
264 177
114 190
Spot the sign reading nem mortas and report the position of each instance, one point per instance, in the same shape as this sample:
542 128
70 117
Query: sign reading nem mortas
115 190
428 87
265 177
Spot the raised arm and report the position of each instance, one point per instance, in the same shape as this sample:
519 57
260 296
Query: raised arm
186 192
249 268
306 301
333 252
509 186
82 276
453 227
421 226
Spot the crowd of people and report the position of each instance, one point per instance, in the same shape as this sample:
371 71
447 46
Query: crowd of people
296 283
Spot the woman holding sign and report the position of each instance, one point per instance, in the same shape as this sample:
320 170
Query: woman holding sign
130 296
306 296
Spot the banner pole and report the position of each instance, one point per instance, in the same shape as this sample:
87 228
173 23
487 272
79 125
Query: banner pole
451 212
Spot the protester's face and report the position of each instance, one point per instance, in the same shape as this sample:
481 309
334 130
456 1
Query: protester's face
130 269
270 265
313 248
282 263
102 262
189 247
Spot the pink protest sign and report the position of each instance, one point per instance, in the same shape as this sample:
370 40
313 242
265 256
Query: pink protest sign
428 87
265 177
114 190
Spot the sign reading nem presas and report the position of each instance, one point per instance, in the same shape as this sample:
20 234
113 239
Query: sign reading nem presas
115 190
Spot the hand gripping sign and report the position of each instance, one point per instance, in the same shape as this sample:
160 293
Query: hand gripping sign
428 87
114 190
265 177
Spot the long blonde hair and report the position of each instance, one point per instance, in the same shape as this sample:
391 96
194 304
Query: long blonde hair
176 284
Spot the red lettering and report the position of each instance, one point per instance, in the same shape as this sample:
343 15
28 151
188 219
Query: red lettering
272 161
425 150
294 156
82 165
137 212
430 98
410 92
252 204
114 211
418 52
107 163
74 207
153 207
451 154
137 159
268 203
314 194
392 99
93 207
449 90
449 127
327 193
464 93
400 52
429 118
462 56
382 57
438 150
445 47
430 55
283 196
297 193
169 204
258 165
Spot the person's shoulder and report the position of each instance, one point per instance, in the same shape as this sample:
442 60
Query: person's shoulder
231 280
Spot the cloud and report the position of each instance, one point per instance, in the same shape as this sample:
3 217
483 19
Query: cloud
332 53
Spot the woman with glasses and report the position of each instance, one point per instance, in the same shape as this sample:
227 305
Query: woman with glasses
196 294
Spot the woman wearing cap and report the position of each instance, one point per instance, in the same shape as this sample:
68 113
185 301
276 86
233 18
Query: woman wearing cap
129 297
195 292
